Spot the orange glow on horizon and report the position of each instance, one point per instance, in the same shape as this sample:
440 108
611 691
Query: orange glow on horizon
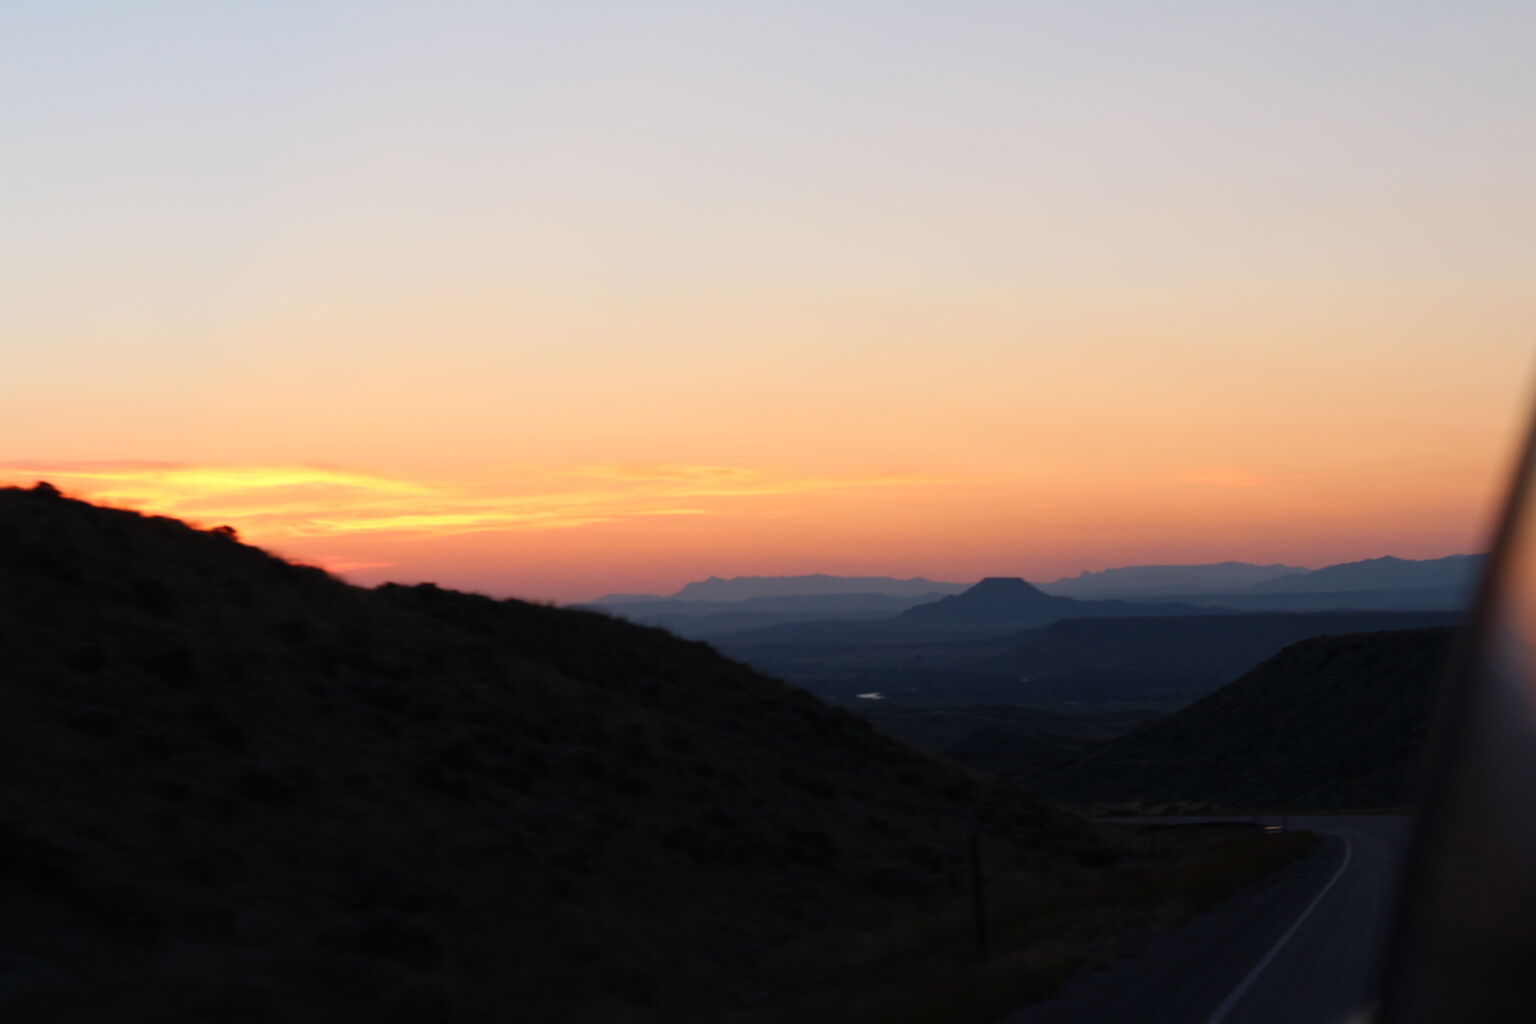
487 295
570 533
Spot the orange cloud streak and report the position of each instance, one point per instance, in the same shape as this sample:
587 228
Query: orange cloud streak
292 502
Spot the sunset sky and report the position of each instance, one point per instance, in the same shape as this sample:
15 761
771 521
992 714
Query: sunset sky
553 299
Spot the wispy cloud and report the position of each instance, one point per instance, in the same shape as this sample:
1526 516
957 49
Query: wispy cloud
296 501
173 479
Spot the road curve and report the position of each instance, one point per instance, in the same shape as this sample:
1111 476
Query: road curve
1301 946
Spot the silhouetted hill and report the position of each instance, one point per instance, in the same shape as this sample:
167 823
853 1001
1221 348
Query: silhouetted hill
1167 580
994 599
1331 722
1000 602
1123 658
233 788
1454 572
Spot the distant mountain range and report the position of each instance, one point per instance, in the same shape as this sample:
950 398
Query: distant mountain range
1169 580
995 605
1383 584
701 620
1375 583
743 588
1331 722
1454 572
1005 641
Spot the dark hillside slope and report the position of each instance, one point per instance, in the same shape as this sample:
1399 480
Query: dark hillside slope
232 788
1075 656
1331 722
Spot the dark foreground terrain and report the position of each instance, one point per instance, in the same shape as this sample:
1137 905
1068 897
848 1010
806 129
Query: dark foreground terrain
1303 945
237 789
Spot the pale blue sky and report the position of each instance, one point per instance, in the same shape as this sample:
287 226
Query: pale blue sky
871 143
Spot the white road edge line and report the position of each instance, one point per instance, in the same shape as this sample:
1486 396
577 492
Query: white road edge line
1237 994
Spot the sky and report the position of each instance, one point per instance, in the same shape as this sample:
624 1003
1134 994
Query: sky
552 300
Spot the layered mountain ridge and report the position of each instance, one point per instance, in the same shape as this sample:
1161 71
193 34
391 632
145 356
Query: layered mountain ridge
1454 572
1167 580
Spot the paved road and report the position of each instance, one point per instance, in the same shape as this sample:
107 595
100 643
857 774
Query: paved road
1301 947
